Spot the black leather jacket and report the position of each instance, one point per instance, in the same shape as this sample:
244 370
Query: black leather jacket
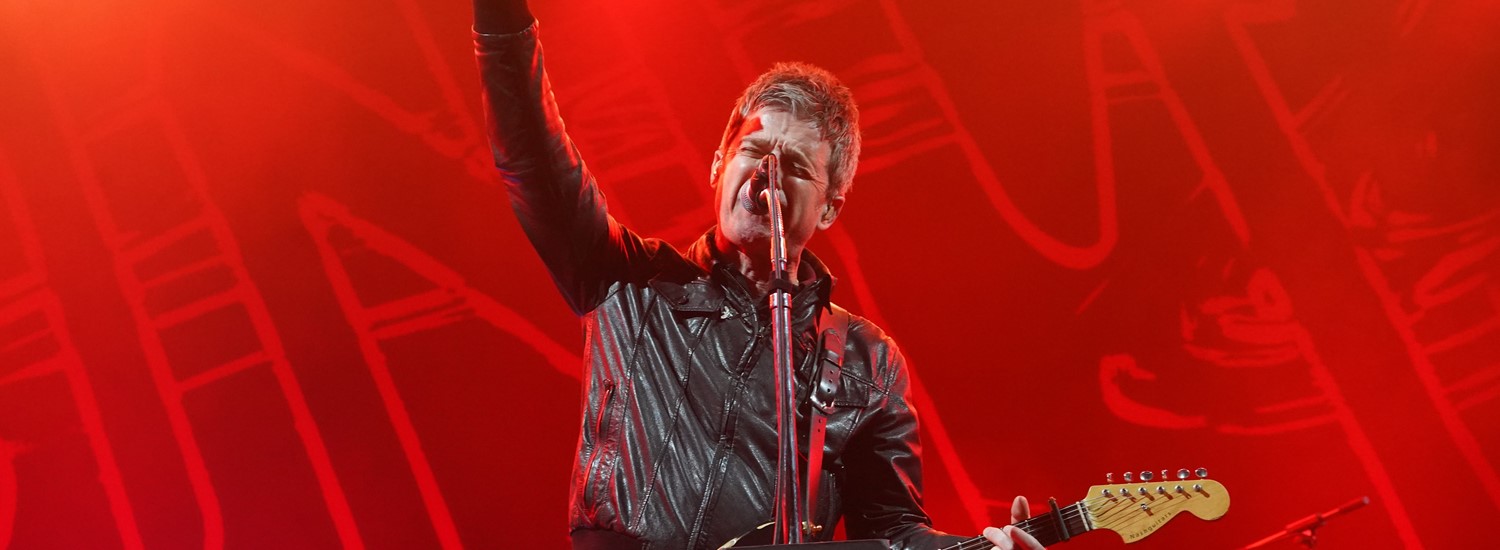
678 443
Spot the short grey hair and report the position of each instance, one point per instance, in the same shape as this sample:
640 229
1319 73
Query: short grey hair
812 94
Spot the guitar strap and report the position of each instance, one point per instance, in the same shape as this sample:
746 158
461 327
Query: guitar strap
834 324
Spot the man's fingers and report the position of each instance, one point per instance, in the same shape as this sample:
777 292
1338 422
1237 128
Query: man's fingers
1011 538
1025 539
999 538
1019 509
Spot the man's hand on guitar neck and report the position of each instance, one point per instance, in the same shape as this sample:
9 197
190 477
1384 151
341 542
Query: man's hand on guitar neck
1010 537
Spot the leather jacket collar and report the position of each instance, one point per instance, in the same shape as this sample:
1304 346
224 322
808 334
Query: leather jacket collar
718 283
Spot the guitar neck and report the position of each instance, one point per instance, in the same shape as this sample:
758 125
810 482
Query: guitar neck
1049 529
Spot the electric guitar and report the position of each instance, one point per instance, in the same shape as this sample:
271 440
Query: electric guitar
1134 510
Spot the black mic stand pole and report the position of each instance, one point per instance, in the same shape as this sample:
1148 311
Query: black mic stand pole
790 518
789 515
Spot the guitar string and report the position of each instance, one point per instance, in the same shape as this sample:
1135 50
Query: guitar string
1121 514
1112 517
1124 506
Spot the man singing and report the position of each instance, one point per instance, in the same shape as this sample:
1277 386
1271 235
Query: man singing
678 441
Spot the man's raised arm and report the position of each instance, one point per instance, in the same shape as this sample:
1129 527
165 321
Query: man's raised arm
553 193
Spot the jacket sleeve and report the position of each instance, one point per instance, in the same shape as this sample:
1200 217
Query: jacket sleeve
883 490
553 194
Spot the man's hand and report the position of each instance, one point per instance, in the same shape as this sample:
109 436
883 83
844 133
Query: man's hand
1009 537
501 16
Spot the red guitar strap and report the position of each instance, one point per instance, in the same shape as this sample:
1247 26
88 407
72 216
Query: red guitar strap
834 327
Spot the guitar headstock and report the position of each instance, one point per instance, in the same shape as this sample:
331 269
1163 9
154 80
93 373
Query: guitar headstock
1138 507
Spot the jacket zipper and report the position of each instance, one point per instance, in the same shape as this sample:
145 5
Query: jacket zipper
727 435
602 418
597 454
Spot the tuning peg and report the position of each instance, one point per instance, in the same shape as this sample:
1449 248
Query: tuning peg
1129 477
1147 475
1109 477
1182 474
1201 473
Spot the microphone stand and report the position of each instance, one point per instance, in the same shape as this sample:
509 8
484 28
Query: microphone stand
1306 529
792 515
789 515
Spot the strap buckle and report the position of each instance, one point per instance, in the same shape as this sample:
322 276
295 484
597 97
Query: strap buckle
828 378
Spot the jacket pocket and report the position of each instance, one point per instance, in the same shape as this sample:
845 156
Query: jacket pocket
854 392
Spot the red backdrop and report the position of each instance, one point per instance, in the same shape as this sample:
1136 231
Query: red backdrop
260 289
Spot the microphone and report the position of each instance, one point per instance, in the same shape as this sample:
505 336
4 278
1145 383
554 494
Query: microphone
760 182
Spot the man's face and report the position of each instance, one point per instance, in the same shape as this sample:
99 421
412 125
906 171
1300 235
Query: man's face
803 157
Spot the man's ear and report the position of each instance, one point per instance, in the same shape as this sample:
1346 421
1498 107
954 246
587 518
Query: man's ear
831 212
713 174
